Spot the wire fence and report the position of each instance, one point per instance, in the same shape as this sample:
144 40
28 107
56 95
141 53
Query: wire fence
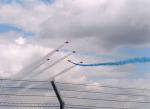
27 94
104 96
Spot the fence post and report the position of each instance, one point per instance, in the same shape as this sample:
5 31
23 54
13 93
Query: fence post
61 102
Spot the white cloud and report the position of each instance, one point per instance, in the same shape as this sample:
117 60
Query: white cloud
20 40
29 16
17 54
66 20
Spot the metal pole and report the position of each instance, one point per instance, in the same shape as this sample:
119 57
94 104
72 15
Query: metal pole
61 102
57 93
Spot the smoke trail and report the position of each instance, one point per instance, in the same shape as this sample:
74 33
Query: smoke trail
118 63
65 70
27 70
44 69
49 66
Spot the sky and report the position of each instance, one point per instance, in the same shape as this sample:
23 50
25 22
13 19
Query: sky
99 30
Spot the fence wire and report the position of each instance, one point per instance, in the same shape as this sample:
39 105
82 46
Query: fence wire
40 95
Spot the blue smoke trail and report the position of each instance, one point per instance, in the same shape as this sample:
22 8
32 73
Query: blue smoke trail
118 63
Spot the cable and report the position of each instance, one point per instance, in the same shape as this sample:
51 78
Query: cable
88 91
24 88
91 107
144 89
22 80
5 85
7 94
113 100
25 106
77 84
106 86
20 87
28 104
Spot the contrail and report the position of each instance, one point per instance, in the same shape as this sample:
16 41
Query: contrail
117 63
36 65
51 65
43 60
64 71
46 68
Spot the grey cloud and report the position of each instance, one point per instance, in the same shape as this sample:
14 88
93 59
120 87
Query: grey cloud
109 24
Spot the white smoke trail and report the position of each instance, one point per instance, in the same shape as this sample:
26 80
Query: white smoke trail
42 61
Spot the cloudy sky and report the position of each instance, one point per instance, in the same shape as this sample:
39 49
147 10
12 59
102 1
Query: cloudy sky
99 30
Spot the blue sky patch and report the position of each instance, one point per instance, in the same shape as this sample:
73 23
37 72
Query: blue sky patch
9 27
47 2
135 51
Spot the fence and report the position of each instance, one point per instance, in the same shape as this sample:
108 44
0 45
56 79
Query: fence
26 94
